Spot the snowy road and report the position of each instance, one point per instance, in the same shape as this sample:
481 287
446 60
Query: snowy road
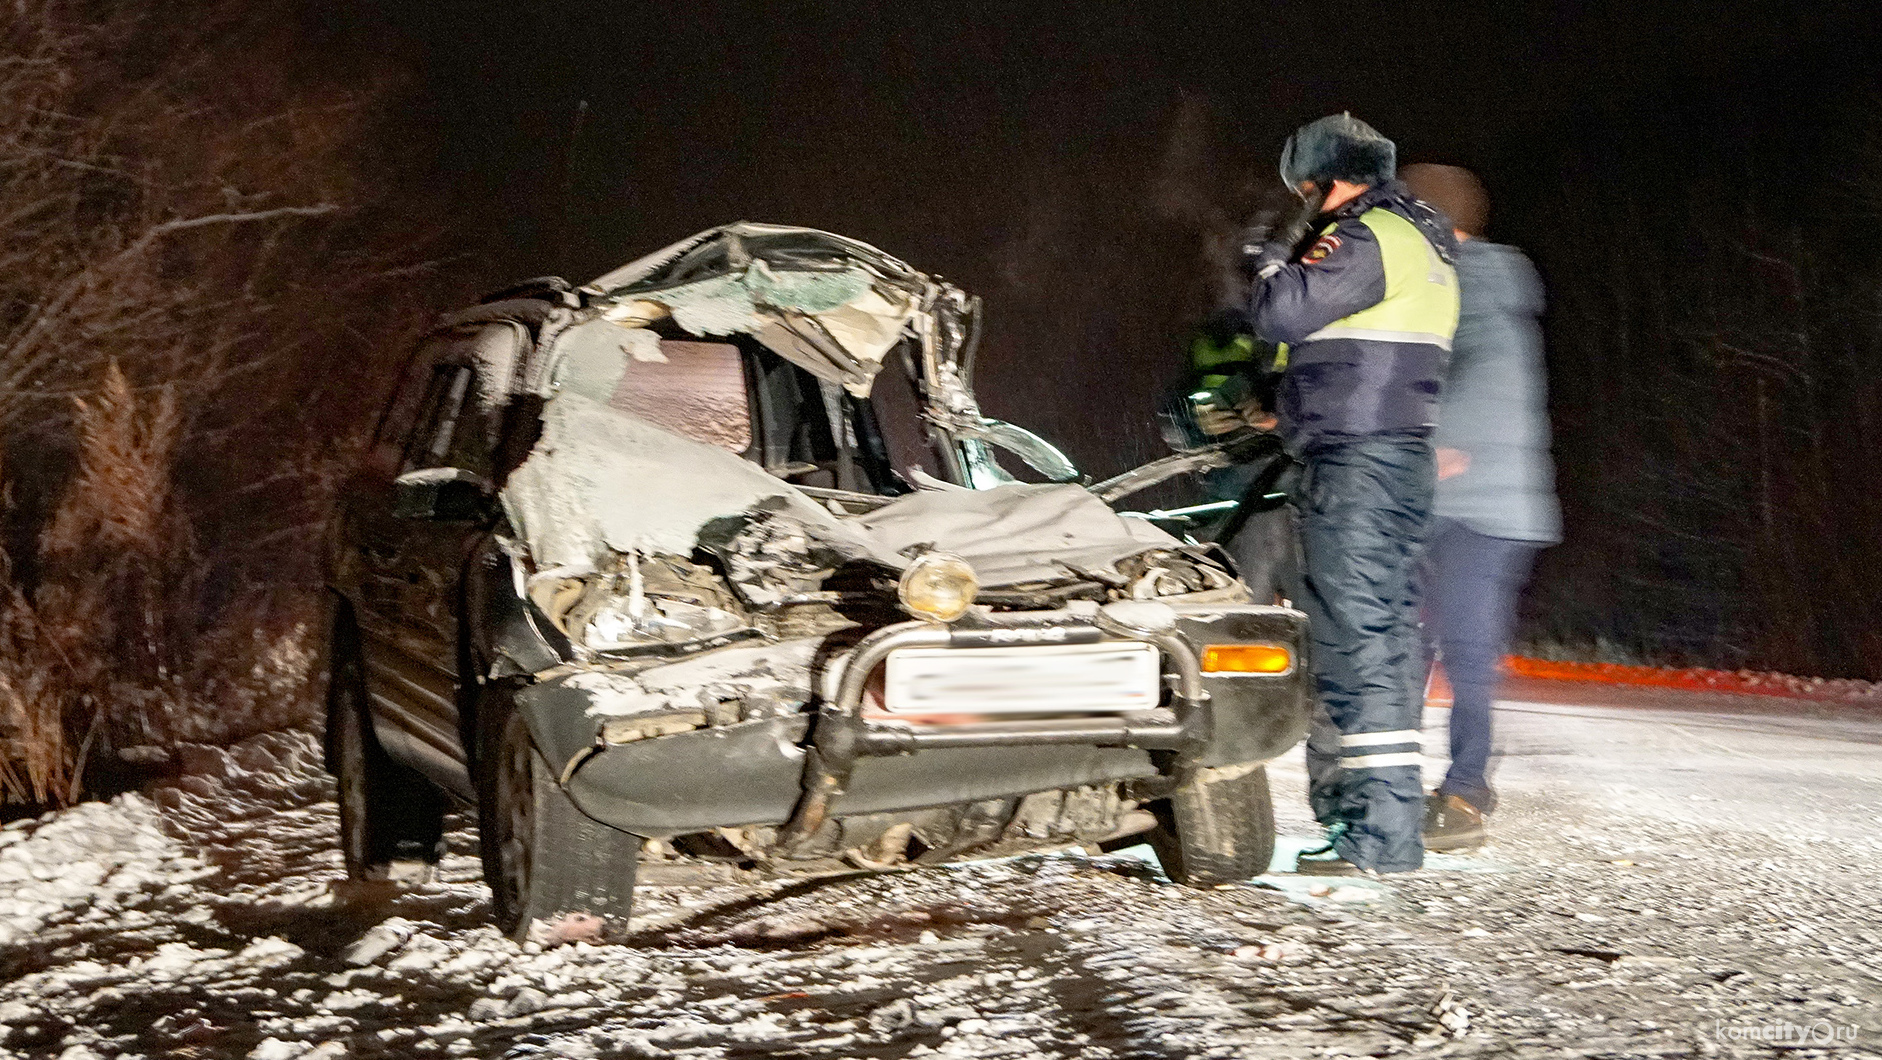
1672 875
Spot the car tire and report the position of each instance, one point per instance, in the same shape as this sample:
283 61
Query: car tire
546 861
388 812
1216 830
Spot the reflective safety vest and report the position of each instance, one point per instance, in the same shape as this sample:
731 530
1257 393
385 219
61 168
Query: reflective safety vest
1214 363
1420 303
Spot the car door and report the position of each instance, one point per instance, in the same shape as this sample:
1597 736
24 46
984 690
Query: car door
412 563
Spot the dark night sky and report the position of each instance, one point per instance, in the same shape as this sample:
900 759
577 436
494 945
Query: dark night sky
1015 148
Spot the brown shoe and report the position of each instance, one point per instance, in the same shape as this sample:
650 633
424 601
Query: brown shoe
1451 824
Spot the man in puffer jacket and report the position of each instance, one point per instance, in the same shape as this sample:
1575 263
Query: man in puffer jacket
1495 506
1363 294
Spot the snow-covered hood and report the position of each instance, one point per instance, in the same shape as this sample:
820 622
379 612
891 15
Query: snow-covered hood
828 304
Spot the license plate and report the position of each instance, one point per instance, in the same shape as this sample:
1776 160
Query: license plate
1035 679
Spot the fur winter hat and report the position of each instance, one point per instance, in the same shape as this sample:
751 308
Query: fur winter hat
1338 147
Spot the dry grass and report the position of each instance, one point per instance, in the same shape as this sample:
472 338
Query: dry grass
82 657
41 765
117 501
110 655
199 260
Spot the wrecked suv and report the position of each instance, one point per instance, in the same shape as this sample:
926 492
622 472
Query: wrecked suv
716 560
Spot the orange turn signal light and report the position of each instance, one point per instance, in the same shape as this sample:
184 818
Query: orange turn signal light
1246 659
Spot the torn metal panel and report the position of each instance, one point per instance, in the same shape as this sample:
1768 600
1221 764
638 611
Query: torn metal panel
1011 535
718 250
831 305
773 556
1164 574
953 408
776 675
633 601
600 481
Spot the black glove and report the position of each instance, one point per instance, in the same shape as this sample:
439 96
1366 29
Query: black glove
1278 250
1254 236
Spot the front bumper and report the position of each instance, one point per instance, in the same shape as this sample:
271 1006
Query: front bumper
800 770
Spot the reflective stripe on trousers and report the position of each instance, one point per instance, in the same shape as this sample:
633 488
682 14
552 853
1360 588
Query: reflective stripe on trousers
1396 748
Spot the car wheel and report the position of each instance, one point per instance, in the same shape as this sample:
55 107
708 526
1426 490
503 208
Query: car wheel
1215 830
545 861
387 811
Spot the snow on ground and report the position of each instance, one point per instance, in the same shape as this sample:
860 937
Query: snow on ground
1664 883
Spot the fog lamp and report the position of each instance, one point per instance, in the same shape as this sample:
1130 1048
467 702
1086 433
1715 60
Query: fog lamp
938 586
1246 659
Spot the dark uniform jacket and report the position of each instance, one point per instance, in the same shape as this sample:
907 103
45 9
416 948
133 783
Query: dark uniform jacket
1367 308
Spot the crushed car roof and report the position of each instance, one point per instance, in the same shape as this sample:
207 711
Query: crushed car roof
832 305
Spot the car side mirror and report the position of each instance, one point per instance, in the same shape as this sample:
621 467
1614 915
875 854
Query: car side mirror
442 494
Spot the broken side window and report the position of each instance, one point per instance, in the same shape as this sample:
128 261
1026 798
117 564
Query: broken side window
430 443
408 401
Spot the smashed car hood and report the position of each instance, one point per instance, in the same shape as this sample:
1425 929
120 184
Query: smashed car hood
600 481
831 305
1015 533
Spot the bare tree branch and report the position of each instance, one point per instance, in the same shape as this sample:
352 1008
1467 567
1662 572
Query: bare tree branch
317 210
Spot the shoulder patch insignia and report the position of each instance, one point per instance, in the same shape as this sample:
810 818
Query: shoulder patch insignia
1322 247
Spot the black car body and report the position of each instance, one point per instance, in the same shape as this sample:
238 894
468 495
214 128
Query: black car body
714 558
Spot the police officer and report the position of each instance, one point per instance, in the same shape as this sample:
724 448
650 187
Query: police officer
1362 292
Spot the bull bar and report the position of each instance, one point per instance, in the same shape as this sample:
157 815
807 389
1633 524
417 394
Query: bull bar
840 735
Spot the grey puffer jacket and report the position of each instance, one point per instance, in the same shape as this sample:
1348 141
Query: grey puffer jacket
1495 401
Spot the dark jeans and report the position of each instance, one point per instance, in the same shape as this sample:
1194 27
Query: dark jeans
1364 513
1470 600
